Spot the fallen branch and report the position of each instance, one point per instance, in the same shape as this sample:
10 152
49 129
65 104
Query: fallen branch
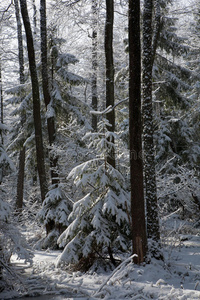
115 271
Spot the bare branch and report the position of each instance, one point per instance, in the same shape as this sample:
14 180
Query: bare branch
5 11
70 4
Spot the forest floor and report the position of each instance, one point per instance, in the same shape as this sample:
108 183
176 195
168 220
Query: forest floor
177 277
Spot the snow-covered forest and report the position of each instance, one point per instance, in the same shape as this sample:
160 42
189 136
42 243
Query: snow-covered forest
99 149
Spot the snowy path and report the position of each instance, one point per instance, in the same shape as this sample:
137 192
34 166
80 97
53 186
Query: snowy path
38 282
178 278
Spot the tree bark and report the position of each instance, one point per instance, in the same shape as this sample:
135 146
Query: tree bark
46 92
139 239
94 64
36 101
149 164
110 73
110 98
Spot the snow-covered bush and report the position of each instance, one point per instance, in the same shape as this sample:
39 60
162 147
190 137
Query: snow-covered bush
11 240
100 222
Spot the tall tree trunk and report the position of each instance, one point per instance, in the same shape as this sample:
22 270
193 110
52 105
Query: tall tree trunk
110 73
36 101
110 100
46 92
20 177
139 239
94 63
149 165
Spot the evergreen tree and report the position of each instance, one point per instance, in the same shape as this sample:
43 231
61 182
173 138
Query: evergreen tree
174 102
170 77
100 221
57 205
22 133
54 215
192 150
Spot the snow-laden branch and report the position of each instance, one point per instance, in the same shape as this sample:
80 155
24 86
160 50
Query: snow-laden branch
109 108
105 111
173 213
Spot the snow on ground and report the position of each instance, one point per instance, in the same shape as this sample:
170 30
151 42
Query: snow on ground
177 278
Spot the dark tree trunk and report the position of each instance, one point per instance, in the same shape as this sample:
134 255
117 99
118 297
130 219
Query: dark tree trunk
94 63
36 101
110 73
139 240
46 91
20 177
110 100
149 164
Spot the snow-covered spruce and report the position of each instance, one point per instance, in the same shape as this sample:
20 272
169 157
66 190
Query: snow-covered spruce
100 221
54 215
